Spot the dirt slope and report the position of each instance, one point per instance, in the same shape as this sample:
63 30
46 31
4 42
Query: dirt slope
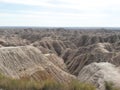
99 73
28 61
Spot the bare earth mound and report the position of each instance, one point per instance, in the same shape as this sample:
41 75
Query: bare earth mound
99 73
28 61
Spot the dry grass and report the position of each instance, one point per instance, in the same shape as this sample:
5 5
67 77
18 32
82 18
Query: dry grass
25 84
76 85
15 84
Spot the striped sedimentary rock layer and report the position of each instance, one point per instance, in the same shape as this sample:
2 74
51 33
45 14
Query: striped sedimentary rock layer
28 61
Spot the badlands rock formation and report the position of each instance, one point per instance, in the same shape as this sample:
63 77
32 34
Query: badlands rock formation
28 61
78 58
63 54
99 73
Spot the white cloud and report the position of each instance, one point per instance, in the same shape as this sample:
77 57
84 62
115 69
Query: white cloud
62 14
74 4
54 14
94 12
29 2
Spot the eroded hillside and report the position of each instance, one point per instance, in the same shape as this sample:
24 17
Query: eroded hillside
62 54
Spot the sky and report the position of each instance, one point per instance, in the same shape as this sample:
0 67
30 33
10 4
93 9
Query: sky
60 13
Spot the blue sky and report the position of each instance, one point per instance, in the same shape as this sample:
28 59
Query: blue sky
60 13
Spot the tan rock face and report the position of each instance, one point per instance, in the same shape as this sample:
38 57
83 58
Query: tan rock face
98 73
56 61
55 46
78 58
22 61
